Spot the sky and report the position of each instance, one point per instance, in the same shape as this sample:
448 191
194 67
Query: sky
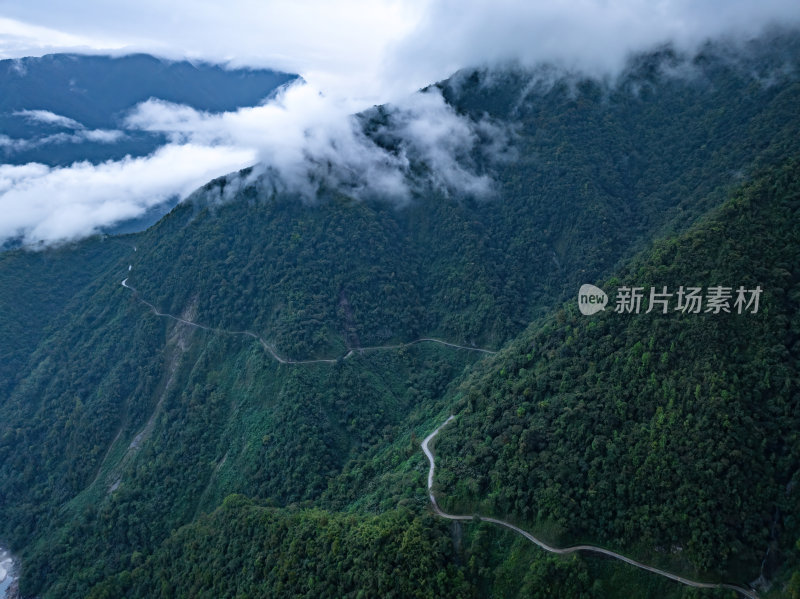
352 54
377 47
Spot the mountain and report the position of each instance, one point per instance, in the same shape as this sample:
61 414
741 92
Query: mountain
682 464
61 108
672 436
243 416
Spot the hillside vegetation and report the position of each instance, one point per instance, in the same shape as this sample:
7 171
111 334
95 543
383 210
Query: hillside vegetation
672 438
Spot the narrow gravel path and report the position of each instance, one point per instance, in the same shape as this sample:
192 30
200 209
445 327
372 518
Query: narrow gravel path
282 360
566 550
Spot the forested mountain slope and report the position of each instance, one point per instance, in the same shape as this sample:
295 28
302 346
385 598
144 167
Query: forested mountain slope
600 422
31 305
121 426
674 435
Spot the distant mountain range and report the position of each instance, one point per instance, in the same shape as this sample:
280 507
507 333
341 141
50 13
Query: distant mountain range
60 108
63 108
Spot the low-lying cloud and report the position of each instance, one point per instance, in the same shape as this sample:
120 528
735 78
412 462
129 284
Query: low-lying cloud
306 141
302 142
49 118
360 47
591 36
311 142
102 136
77 132
41 204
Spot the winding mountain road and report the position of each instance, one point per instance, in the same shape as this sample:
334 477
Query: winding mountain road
750 593
280 359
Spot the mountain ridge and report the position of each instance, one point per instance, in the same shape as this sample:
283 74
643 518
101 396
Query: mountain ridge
588 191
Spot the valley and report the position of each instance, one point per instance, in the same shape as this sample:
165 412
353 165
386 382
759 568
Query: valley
232 401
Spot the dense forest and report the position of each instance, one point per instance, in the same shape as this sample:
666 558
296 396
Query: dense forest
674 435
141 456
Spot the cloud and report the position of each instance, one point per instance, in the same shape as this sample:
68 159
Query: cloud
44 204
102 136
383 49
312 142
49 118
336 44
18 39
361 53
594 36
430 133
305 142
79 133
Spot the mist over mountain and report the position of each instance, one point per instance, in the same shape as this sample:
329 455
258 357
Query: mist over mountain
71 162
61 108
243 416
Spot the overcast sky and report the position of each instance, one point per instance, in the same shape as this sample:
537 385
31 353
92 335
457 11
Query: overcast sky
371 47
352 53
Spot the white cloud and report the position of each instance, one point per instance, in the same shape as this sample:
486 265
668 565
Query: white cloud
378 50
102 136
311 140
338 45
79 132
49 118
40 203
589 35
18 39
361 52
428 128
